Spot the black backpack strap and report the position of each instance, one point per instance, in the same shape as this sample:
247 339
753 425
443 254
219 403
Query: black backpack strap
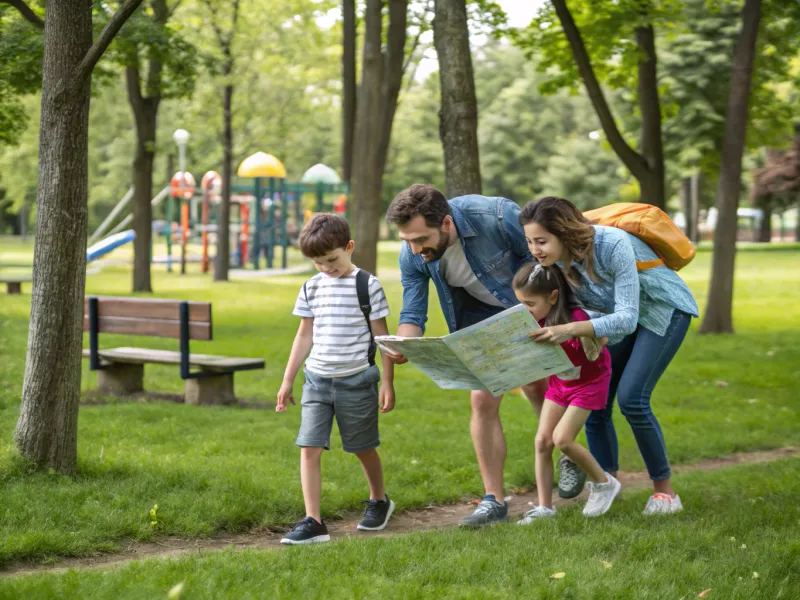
305 292
362 289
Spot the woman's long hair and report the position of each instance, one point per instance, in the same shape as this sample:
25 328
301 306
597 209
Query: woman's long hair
535 279
560 217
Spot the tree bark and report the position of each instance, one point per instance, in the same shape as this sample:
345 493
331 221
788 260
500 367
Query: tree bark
47 430
458 117
348 86
636 163
381 79
765 226
797 224
719 317
145 103
652 188
145 114
222 262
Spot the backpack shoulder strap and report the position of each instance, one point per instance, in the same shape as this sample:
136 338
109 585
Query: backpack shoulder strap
305 291
362 289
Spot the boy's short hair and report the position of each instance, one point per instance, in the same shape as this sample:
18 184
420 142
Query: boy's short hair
324 233
420 199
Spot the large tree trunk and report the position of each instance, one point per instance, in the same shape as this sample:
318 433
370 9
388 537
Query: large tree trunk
458 117
47 430
651 184
145 114
348 86
719 317
222 262
377 101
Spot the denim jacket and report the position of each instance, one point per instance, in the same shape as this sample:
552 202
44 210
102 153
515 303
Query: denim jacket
628 297
495 247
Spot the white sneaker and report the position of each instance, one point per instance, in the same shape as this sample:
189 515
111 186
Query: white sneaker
537 512
601 495
663 504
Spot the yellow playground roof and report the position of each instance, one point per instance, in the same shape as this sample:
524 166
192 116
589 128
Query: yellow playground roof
261 164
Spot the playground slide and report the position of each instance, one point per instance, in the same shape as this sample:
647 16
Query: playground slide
108 244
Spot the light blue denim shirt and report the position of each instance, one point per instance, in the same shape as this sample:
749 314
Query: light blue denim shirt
495 247
628 297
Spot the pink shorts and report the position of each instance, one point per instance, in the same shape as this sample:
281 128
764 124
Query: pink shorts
592 395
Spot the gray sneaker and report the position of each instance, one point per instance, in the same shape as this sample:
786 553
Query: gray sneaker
488 511
570 478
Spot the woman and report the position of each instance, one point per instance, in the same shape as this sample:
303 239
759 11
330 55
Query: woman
645 316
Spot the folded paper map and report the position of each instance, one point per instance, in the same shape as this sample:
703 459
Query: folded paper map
495 354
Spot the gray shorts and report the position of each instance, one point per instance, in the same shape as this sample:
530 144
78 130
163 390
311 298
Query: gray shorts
353 400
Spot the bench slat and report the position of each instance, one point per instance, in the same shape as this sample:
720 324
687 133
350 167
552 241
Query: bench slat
151 327
149 308
222 364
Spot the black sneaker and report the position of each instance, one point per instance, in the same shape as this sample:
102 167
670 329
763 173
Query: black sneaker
570 478
307 531
376 514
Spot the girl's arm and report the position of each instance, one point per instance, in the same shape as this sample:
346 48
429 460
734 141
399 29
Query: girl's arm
300 349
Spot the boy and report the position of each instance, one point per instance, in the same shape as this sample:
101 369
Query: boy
341 376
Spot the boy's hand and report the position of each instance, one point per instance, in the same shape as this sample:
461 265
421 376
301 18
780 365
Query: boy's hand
603 341
284 394
386 398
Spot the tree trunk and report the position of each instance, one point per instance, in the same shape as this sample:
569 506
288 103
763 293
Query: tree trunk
348 86
222 262
797 224
765 226
145 113
458 117
718 317
651 185
377 101
47 430
636 163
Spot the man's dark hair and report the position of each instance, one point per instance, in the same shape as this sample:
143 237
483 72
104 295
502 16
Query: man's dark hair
324 233
420 199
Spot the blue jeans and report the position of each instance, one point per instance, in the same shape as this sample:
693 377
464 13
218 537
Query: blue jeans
637 363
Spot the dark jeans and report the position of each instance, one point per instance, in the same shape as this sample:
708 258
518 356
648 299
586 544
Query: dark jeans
469 310
637 363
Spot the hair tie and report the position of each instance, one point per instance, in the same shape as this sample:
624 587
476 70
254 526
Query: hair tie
537 268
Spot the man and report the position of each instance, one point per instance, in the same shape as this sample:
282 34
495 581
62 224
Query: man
470 247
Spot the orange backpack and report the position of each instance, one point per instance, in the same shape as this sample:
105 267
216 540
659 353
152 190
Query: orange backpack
652 226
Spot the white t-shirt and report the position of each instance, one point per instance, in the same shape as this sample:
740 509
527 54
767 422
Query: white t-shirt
341 335
456 271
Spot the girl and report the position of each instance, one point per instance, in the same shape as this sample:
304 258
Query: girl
646 317
571 396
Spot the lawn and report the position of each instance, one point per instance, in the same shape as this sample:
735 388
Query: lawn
235 469
738 537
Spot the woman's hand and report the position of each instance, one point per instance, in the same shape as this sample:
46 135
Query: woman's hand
558 334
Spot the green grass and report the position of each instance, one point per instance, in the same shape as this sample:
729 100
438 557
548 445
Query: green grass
234 469
739 522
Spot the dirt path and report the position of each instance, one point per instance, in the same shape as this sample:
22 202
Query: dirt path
425 519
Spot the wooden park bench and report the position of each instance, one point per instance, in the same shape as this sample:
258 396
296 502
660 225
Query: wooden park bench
121 370
14 282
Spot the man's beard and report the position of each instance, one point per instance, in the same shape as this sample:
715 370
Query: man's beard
432 254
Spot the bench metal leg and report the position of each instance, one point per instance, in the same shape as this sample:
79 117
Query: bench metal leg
216 389
120 380
14 287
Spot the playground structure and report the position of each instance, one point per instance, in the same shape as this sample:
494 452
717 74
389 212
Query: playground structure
266 212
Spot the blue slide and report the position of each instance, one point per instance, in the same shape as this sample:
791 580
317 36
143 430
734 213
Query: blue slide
110 243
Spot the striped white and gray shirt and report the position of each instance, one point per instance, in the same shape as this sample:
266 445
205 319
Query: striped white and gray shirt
341 336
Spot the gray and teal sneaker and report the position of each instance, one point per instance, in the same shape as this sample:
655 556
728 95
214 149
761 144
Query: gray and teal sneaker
489 511
570 478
